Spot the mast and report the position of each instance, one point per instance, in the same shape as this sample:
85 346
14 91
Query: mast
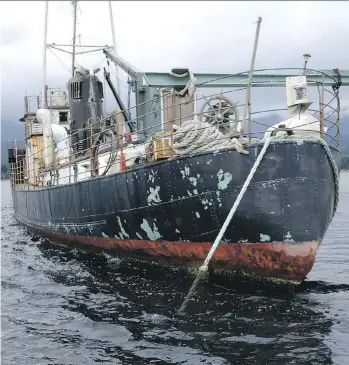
74 37
114 45
43 98
249 83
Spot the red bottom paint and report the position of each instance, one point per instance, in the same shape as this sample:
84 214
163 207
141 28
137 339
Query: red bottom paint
286 261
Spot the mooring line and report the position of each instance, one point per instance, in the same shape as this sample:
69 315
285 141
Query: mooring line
203 268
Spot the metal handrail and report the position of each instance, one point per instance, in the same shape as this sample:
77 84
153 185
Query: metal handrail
17 169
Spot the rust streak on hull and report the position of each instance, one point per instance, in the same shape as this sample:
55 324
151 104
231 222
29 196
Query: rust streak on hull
281 260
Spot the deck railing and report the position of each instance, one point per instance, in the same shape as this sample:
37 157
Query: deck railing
327 113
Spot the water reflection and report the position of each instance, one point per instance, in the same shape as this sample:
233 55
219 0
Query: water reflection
131 309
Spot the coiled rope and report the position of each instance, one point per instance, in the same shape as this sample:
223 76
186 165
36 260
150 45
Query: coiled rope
190 87
194 135
203 268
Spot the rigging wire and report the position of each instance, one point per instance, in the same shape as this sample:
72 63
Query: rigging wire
59 60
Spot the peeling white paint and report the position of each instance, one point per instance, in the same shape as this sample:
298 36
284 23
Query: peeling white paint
272 212
139 236
151 176
189 193
193 180
153 234
177 231
223 179
197 214
242 241
208 162
185 172
104 235
195 191
123 232
288 237
153 196
218 193
264 237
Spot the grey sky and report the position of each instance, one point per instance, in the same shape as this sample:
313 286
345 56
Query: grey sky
156 36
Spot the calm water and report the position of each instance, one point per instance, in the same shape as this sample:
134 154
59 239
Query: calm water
67 306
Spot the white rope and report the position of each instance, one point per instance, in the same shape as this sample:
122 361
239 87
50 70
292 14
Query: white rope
194 135
190 87
335 173
204 266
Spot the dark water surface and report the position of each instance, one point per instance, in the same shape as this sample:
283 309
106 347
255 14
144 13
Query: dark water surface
69 306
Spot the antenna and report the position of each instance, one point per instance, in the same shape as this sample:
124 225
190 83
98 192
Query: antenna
43 98
74 3
114 46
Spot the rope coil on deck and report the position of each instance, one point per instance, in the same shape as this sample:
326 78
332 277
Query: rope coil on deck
194 135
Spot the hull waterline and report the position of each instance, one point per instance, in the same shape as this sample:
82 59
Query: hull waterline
172 211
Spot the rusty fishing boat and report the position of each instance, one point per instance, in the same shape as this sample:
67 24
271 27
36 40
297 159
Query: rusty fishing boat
156 180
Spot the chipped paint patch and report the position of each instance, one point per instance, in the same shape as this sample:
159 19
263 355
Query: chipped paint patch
195 192
123 232
153 196
153 234
288 237
242 241
208 162
193 180
139 236
185 172
177 231
151 176
104 235
264 237
218 193
223 179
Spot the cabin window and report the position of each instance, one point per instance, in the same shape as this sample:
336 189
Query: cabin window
63 117
75 89
100 89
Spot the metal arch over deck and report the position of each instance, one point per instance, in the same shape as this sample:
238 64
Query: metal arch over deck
157 79
267 79
146 85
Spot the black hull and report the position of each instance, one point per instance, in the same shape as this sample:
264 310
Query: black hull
184 201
